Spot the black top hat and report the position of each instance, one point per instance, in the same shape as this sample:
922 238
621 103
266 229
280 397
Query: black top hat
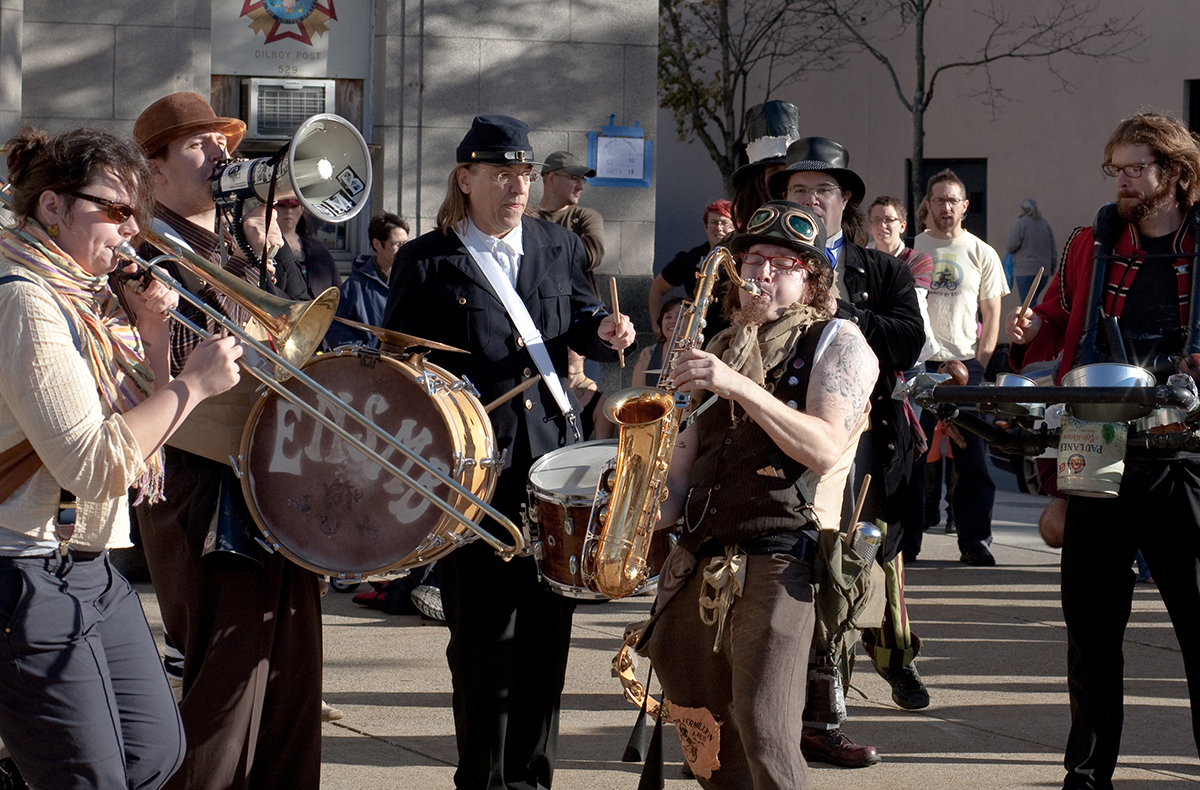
496 140
770 128
825 155
785 224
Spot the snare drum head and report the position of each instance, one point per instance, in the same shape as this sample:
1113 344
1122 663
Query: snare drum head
324 503
570 475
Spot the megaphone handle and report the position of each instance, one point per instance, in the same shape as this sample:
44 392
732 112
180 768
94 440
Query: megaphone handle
238 231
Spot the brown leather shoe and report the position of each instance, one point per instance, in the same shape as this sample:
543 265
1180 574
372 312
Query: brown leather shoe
835 748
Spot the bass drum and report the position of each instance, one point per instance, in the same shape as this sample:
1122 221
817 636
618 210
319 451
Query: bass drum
324 505
562 488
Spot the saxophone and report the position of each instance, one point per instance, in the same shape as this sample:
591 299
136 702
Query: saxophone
647 418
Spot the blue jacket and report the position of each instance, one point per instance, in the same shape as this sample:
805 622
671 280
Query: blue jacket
364 295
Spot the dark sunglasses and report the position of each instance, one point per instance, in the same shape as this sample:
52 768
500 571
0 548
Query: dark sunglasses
117 212
287 204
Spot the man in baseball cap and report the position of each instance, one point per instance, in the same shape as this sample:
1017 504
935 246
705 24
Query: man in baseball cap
564 176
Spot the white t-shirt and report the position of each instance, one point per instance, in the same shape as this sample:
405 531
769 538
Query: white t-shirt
965 271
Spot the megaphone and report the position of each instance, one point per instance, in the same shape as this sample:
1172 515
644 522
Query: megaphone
326 166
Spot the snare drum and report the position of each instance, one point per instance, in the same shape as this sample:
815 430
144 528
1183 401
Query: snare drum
326 506
562 488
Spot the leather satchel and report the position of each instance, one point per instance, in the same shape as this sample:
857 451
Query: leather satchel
17 464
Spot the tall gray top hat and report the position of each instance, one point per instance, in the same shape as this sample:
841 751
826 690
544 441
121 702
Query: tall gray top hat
496 140
770 127
825 155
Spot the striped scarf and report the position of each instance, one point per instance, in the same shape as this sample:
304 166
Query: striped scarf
108 343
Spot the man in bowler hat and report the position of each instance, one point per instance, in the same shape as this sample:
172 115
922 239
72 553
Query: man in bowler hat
877 293
509 632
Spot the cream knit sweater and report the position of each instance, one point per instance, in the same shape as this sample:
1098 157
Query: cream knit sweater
48 395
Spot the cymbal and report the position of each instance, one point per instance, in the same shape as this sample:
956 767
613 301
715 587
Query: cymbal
399 339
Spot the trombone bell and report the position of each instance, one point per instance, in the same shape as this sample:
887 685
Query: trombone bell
295 328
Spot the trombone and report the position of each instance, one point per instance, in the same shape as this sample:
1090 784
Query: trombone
297 329
300 330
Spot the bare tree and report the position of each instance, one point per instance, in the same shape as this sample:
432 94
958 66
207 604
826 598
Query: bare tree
1055 29
718 57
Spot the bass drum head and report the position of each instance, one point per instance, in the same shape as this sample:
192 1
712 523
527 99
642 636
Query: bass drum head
324 504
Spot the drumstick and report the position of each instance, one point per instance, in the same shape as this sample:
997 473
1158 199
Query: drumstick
512 393
612 287
1037 280
862 500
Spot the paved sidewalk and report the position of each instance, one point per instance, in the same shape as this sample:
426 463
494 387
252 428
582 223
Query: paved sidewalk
994 659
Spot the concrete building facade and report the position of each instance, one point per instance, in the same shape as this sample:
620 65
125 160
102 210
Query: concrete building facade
564 66
1042 142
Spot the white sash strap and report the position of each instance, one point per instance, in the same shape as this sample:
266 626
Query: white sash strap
521 319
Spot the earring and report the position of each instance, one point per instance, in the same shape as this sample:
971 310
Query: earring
52 231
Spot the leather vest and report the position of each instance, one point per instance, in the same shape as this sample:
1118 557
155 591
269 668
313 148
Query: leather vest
742 485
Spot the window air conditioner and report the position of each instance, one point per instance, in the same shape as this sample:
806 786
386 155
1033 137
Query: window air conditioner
277 107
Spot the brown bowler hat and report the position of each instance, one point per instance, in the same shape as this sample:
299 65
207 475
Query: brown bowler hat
179 114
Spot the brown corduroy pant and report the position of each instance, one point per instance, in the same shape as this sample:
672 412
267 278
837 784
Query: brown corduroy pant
755 684
251 640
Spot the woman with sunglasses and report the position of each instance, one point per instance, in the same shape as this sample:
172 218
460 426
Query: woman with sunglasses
86 401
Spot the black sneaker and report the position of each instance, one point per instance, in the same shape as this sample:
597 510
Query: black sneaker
979 556
908 690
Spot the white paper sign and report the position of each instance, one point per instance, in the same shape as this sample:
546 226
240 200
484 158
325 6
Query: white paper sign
620 157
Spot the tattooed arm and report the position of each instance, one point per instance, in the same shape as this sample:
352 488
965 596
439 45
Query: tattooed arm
838 390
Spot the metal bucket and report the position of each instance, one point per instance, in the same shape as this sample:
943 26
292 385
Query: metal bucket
1004 380
1109 374
1164 420
1091 457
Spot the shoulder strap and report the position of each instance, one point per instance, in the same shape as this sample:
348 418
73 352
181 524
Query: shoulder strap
19 462
9 278
519 315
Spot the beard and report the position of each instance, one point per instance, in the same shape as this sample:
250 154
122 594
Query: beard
945 224
1134 210
752 312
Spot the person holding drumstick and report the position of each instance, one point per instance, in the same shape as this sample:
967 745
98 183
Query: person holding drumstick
248 623
86 402
509 633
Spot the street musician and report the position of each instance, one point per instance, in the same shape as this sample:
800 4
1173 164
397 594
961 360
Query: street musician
754 478
1149 283
248 623
467 283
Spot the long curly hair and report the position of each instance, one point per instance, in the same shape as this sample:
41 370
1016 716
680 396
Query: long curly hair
1175 148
